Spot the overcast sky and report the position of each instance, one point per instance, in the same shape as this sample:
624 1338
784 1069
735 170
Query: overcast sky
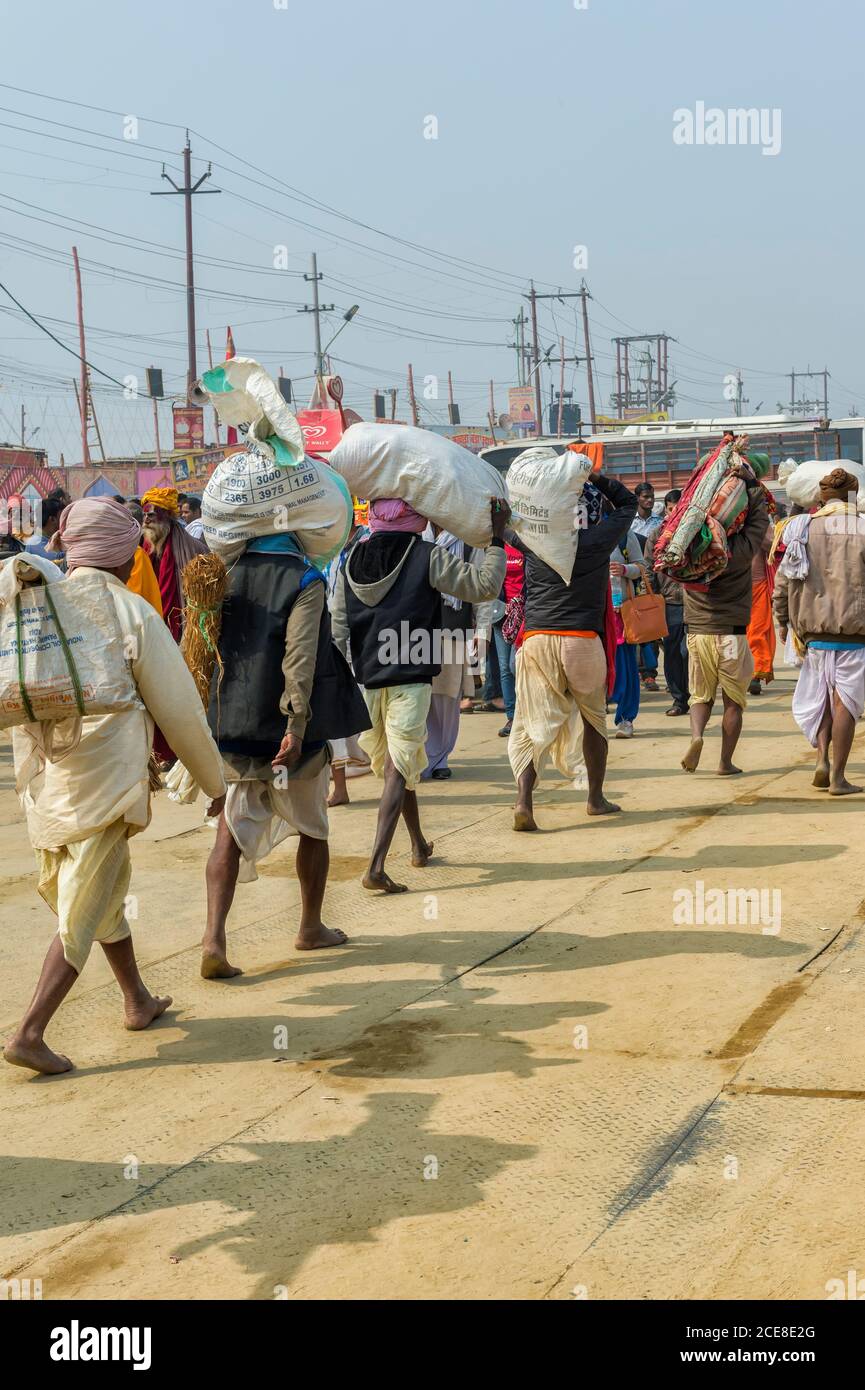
554 130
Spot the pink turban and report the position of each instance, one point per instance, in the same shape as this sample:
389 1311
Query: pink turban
97 531
392 514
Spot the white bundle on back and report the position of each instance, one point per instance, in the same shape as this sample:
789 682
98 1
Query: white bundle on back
544 490
271 486
62 652
440 479
248 496
801 481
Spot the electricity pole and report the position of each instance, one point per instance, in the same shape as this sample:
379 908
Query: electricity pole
536 355
584 295
316 310
187 191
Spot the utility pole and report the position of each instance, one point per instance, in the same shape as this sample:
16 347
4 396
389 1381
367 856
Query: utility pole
533 297
657 388
415 418
584 295
187 190
23 424
805 404
561 387
316 309
536 355
83 399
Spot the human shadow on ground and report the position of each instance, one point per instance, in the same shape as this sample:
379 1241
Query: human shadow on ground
295 1197
421 1016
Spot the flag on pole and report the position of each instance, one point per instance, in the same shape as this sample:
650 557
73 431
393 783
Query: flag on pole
229 352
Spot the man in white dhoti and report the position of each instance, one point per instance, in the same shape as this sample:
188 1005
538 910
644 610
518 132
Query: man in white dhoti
82 808
820 597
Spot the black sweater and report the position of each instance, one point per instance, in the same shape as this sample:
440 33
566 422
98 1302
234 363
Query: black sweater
552 605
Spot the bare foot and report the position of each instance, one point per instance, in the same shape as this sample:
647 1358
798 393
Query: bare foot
691 760
37 1056
524 820
338 799
602 807
320 938
728 770
142 1013
843 788
420 856
215 966
821 777
383 883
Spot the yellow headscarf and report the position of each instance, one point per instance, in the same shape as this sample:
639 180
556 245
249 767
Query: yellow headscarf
163 497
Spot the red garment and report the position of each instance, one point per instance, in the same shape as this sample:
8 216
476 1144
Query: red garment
610 641
169 588
515 573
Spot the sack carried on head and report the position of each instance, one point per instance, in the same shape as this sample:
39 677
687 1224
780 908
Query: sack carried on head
545 490
440 479
801 481
249 497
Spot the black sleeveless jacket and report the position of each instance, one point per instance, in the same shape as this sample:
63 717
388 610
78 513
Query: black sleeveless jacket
244 713
395 641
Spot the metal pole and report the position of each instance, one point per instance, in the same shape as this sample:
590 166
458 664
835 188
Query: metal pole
84 392
536 352
156 432
493 399
561 386
191 371
589 373
210 364
316 315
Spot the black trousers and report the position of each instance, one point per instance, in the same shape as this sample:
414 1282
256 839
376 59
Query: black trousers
676 655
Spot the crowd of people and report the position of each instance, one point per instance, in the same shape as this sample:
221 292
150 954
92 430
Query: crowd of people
369 666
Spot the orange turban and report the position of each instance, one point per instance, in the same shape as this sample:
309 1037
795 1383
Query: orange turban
163 497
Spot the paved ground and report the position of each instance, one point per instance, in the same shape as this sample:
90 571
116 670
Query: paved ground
532 1077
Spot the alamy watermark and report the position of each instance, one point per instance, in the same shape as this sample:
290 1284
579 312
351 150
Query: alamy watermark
719 907
738 125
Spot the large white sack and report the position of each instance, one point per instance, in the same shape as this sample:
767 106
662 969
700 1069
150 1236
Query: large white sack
249 496
242 393
94 654
440 479
544 490
801 481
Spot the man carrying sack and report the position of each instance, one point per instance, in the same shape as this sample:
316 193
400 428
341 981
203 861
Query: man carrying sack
284 692
82 809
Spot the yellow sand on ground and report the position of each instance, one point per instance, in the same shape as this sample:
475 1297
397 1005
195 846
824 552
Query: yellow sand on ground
531 1077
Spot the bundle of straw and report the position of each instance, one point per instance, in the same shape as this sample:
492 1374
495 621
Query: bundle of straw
205 580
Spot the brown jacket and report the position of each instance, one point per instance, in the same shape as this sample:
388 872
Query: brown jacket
662 583
829 604
725 606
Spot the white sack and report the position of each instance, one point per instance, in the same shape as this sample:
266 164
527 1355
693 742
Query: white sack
249 496
801 481
96 649
440 479
544 490
242 393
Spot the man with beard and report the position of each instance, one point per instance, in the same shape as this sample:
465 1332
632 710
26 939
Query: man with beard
171 547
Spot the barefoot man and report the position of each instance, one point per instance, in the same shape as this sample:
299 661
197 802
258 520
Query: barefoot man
82 809
285 693
562 664
819 594
388 606
716 618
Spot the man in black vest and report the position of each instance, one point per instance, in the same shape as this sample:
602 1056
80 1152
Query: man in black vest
285 691
388 606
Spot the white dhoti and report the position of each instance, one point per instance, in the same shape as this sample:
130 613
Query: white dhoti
399 718
823 676
86 883
261 811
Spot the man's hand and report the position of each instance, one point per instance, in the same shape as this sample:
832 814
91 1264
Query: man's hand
617 569
783 632
289 752
501 515
216 808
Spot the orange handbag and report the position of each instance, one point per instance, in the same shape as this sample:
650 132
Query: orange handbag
644 618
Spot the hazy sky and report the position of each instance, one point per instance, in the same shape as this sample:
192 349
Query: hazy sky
555 130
